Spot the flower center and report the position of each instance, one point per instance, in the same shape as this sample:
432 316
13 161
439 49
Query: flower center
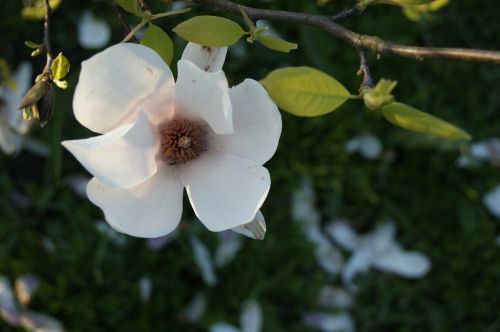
182 141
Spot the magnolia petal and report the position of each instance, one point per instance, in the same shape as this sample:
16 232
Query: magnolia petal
22 77
255 229
9 309
225 191
382 237
329 258
26 285
492 201
115 82
34 321
342 234
151 209
124 157
204 95
257 124
227 248
204 261
206 58
10 141
403 263
327 322
195 308
251 317
223 327
360 261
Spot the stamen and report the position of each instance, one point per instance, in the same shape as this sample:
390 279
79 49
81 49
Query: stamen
182 141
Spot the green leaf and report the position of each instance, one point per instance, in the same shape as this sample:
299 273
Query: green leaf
305 91
32 45
61 84
379 95
210 31
276 43
132 6
157 39
37 10
412 119
60 67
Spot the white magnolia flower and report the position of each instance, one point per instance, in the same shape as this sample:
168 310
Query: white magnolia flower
160 136
367 145
92 32
204 261
13 308
334 298
195 308
328 322
13 127
304 212
250 320
492 201
378 249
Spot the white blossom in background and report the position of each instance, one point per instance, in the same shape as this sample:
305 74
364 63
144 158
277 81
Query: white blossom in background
160 136
13 128
492 201
145 285
329 322
13 310
78 184
481 152
378 249
204 261
250 320
92 32
367 145
328 257
195 308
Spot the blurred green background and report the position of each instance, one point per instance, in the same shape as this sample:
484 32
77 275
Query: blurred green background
90 284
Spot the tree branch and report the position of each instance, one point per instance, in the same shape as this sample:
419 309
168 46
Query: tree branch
46 37
358 41
364 70
120 19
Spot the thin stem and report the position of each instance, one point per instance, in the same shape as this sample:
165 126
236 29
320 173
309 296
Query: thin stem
46 37
170 13
364 69
120 19
132 32
371 43
355 10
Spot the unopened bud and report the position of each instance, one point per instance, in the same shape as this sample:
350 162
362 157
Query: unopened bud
40 99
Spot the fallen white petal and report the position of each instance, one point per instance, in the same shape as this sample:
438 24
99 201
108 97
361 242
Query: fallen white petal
255 229
195 308
36 322
492 201
327 322
228 246
145 288
403 263
114 84
26 285
206 58
360 261
204 261
92 32
342 234
205 96
251 317
151 209
223 327
225 191
122 158
257 124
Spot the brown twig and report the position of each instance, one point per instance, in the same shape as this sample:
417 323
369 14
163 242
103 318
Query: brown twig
46 37
364 69
355 10
358 41
120 19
